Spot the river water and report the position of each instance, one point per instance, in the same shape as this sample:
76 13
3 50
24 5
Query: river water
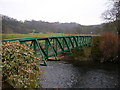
79 74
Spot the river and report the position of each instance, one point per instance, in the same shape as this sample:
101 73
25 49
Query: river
79 74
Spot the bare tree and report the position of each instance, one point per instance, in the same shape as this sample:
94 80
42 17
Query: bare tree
113 14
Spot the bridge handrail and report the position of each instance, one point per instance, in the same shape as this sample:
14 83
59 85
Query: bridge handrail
38 38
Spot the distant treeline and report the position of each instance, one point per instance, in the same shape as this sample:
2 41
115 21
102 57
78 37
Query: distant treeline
11 25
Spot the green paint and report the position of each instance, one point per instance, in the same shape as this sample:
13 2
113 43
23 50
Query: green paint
52 46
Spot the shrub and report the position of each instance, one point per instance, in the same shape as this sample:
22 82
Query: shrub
82 54
20 66
96 53
109 46
78 54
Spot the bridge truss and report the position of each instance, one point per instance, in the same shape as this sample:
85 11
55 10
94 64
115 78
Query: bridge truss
47 47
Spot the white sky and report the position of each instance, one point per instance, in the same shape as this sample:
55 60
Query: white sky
85 12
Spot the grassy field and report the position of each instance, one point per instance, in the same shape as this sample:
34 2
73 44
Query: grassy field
12 36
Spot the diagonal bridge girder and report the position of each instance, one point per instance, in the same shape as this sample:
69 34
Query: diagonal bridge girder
47 47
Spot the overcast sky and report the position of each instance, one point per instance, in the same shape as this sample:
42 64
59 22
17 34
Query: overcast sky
85 12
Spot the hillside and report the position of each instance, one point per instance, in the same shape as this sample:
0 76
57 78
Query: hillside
11 25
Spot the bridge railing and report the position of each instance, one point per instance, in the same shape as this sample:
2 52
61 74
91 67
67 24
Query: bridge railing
47 47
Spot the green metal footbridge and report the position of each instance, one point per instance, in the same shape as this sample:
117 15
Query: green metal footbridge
47 47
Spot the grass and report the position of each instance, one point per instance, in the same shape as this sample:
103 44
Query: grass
13 36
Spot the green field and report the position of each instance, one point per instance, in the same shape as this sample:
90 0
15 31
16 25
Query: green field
12 36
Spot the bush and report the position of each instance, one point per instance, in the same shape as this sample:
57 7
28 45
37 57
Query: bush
96 53
119 48
78 54
109 47
20 66
82 54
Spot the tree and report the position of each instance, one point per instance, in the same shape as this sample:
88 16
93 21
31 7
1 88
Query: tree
113 14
